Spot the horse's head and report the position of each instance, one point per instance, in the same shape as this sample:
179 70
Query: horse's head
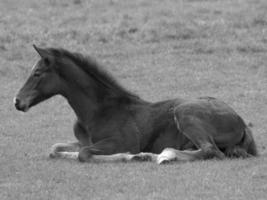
42 83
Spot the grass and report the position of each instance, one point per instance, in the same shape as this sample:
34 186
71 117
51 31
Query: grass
158 49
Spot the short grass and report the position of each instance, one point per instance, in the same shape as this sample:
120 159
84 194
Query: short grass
158 49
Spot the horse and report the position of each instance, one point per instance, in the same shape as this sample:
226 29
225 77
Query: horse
115 125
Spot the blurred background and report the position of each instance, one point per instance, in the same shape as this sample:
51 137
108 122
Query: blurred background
158 49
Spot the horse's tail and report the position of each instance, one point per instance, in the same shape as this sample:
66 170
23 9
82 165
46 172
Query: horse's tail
248 142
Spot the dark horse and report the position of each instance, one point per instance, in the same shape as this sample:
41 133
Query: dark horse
116 125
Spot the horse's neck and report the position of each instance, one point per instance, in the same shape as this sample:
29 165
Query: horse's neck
83 105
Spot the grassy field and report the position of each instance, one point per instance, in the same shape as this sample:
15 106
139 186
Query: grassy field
158 49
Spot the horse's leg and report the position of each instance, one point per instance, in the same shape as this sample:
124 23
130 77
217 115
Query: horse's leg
106 146
64 150
200 133
144 156
167 155
81 134
125 157
170 154
118 157
71 150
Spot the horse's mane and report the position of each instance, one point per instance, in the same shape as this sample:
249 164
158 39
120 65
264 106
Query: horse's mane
97 72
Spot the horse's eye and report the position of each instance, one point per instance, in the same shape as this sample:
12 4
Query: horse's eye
37 74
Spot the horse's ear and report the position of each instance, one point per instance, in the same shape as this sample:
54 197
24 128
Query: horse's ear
45 55
42 52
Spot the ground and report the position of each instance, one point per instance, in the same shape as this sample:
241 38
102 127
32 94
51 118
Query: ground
157 49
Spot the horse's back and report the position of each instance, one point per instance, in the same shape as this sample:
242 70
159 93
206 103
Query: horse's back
215 117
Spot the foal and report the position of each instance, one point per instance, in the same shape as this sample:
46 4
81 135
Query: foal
111 120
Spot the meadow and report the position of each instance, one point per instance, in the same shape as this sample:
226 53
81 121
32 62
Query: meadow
157 49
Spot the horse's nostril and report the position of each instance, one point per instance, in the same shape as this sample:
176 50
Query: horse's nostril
20 105
16 102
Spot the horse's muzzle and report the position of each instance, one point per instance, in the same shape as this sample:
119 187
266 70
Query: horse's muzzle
19 105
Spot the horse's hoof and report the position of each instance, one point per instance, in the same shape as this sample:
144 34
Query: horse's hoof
53 155
85 154
163 160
